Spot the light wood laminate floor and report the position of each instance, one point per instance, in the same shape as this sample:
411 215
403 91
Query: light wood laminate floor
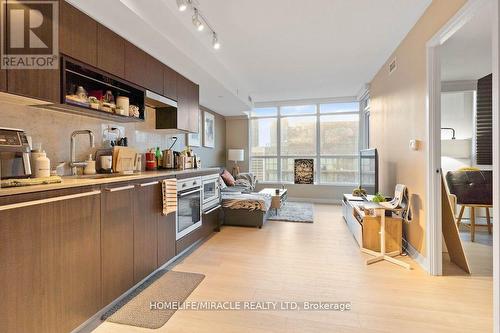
321 261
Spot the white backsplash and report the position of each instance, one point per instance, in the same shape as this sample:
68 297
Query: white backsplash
53 129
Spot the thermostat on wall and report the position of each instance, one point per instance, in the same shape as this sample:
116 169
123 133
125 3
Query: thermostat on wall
414 144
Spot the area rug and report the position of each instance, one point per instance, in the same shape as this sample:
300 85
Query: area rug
165 287
293 212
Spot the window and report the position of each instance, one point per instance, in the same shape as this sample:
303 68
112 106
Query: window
326 133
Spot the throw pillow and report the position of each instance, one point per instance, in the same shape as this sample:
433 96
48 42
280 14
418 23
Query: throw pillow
228 178
222 183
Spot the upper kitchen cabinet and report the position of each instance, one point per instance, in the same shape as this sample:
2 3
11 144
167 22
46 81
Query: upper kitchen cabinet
170 83
77 34
154 75
110 51
43 84
3 80
185 116
194 108
135 64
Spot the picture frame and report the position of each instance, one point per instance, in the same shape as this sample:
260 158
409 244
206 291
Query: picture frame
304 171
208 130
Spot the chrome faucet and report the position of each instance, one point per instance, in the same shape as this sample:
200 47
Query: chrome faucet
73 164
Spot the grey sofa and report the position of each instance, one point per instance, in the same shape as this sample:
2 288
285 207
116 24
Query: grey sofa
245 183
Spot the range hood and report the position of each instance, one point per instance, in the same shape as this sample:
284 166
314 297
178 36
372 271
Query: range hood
153 100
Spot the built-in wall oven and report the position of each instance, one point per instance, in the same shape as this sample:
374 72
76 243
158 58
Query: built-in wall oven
189 205
211 192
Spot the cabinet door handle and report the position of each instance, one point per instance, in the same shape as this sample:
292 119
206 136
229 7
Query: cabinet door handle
48 200
148 184
116 189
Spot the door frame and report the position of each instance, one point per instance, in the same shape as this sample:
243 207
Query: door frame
433 148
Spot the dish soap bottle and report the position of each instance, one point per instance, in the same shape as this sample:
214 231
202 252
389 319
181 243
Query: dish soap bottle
42 166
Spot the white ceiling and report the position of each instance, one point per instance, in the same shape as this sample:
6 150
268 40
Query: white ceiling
271 50
467 54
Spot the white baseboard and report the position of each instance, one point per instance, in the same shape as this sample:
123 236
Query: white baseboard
316 200
416 256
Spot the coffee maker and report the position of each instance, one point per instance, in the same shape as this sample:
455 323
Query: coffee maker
14 154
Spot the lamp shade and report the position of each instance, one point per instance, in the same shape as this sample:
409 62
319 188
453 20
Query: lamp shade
460 148
236 154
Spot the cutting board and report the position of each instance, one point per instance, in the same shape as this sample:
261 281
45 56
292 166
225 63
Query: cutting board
124 159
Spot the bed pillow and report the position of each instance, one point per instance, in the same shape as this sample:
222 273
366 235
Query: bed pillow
228 178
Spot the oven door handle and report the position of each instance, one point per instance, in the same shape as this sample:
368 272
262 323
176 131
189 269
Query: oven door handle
190 192
213 209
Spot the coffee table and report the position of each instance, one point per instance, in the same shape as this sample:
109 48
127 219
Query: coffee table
277 199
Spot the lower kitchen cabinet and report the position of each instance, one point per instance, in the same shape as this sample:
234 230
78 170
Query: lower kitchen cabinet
166 238
117 241
208 225
146 215
50 257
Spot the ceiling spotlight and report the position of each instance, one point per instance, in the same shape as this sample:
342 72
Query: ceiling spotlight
197 22
182 5
215 42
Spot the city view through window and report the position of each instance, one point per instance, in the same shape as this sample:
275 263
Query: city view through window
326 133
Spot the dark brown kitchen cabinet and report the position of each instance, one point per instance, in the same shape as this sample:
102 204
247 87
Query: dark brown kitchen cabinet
3 80
154 75
71 261
194 108
110 51
170 83
183 103
166 238
117 240
185 116
146 215
50 257
135 64
77 34
43 84
21 258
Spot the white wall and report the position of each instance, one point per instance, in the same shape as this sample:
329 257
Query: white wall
457 111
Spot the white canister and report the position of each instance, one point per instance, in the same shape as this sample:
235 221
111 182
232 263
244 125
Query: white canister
122 103
106 162
42 166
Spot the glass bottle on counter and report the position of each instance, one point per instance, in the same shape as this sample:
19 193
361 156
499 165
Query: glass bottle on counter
159 158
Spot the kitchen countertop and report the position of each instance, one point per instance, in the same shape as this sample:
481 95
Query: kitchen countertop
75 181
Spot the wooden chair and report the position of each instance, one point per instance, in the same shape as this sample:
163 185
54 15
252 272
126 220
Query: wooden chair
473 218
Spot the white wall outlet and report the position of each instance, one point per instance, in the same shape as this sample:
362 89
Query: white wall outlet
414 144
112 132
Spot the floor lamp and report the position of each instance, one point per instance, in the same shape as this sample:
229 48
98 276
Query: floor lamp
236 155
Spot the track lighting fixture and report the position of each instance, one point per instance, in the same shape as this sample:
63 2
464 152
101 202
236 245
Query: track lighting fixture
215 41
199 21
182 5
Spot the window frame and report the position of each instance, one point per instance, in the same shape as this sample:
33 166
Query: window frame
317 156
